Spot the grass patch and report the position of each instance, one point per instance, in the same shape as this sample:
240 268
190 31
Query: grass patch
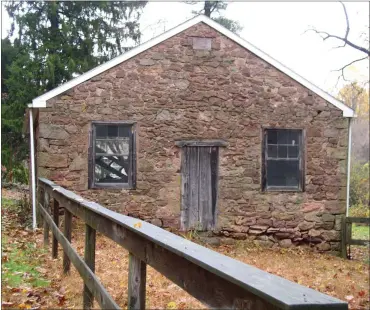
9 204
360 232
19 265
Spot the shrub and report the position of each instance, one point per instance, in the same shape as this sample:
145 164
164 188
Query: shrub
359 211
359 190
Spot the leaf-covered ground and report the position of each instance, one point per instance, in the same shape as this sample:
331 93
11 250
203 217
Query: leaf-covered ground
45 286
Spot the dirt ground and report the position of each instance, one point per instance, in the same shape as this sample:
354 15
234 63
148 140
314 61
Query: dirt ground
345 279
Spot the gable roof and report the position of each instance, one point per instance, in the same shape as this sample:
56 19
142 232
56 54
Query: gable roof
40 102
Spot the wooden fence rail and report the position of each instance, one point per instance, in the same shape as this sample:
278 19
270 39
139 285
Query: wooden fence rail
214 279
347 233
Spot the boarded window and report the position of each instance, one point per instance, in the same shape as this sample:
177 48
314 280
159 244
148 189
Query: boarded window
283 160
112 155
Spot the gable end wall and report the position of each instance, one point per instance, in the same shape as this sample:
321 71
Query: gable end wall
174 92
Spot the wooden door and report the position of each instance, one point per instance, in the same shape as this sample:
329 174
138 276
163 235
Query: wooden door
199 178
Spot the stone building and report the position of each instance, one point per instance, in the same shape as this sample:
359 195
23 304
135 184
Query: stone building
199 129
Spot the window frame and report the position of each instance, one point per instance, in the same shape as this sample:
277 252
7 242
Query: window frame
302 163
132 157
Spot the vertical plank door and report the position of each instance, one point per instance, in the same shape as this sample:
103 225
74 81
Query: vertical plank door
199 187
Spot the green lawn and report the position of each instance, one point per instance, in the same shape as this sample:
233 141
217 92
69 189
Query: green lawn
19 266
360 232
20 257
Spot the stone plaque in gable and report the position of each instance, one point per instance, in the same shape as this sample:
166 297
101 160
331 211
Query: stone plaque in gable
202 43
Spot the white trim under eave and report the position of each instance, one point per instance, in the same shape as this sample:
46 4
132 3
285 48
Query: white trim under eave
40 102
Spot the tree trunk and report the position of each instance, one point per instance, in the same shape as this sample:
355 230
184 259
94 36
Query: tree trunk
207 8
54 32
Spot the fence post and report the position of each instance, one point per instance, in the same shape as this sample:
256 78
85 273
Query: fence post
39 199
68 235
136 283
56 221
90 240
46 226
349 233
344 237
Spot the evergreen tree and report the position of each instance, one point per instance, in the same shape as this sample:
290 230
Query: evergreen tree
70 37
210 8
53 41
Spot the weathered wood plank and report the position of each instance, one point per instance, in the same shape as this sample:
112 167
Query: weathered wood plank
205 189
359 242
68 235
104 299
46 226
214 183
193 207
54 251
344 238
40 199
136 283
216 280
185 179
90 241
349 232
364 220
183 143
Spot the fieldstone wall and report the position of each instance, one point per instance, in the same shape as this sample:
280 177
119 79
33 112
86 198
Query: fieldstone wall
224 92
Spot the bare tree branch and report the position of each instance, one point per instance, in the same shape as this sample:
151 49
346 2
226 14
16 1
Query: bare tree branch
346 41
347 21
325 35
347 65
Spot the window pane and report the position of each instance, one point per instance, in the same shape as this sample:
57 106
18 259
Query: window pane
101 131
283 173
121 146
271 137
124 131
283 136
272 151
293 151
282 151
294 137
111 169
112 131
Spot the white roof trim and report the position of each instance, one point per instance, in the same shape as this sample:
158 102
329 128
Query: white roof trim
40 102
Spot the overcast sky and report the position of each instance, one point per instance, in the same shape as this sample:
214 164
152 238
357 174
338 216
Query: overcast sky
278 29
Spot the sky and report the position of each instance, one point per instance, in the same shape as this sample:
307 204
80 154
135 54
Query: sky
278 28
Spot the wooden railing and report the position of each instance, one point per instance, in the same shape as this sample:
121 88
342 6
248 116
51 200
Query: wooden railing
214 279
347 233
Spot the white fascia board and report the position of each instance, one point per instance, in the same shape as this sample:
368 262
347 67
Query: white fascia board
40 102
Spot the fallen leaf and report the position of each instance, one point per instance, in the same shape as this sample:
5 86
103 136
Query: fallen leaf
361 293
15 289
349 297
41 270
171 305
138 225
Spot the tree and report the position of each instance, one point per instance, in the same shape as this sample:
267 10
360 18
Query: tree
53 42
67 38
345 41
8 53
211 7
358 99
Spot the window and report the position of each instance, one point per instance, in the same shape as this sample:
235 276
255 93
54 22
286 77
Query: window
283 160
112 155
